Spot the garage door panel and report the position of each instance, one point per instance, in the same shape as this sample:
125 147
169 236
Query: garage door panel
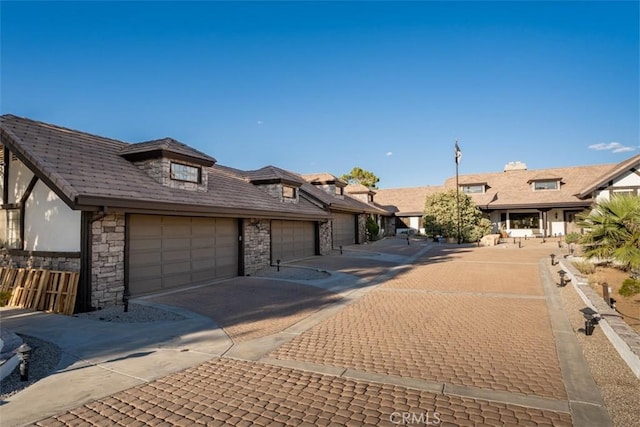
172 256
146 258
344 230
202 242
167 252
143 244
145 272
145 226
175 281
292 240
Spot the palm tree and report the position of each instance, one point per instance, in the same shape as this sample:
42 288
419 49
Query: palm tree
613 231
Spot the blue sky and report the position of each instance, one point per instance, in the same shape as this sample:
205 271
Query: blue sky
326 86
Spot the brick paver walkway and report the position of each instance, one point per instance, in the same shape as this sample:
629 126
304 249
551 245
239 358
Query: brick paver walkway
472 318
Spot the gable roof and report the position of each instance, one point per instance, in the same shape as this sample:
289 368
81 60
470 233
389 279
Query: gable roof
512 189
166 147
358 189
88 173
324 178
405 201
272 174
632 163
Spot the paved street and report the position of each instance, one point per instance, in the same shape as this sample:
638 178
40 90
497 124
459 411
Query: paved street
451 336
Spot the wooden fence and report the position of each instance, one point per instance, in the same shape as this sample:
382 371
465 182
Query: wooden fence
45 290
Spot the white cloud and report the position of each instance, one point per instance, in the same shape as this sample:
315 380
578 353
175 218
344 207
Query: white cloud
614 147
259 122
389 154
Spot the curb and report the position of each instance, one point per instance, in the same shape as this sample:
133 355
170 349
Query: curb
625 340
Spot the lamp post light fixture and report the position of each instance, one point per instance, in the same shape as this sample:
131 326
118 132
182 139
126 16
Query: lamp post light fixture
553 259
563 279
24 353
589 324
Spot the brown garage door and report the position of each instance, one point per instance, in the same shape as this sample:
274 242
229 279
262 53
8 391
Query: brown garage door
292 240
344 230
167 252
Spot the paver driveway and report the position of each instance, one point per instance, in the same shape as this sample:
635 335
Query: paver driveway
463 337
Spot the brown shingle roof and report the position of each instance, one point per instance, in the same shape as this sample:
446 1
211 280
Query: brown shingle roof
513 189
615 171
166 147
324 178
87 171
405 201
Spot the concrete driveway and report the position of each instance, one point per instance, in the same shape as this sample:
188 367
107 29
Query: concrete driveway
400 334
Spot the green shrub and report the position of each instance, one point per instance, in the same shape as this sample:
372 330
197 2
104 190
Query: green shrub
630 287
372 229
585 267
5 296
573 238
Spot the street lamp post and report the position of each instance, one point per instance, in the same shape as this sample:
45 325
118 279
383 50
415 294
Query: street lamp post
458 155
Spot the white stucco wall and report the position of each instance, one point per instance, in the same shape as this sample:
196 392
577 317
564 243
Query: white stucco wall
19 178
626 180
49 224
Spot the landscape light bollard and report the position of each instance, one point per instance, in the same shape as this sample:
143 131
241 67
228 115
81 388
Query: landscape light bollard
408 243
553 259
520 242
340 249
589 325
562 277
125 300
560 243
277 265
24 353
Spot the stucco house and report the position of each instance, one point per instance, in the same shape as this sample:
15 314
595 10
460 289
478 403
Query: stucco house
523 202
156 215
407 204
544 202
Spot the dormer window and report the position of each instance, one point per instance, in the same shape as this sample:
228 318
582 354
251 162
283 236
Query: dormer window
186 173
288 192
339 191
473 188
546 185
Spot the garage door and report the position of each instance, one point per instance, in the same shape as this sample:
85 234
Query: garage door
167 252
344 230
292 240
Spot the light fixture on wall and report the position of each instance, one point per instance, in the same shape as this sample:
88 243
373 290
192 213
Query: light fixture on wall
556 215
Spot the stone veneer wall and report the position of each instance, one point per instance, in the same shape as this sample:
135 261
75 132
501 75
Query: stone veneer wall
389 226
257 245
59 261
362 228
275 190
160 170
107 260
326 240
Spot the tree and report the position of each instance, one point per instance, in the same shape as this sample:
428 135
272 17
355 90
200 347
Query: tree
613 231
361 176
441 216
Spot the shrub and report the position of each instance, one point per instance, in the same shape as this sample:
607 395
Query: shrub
630 287
585 267
372 229
5 296
573 238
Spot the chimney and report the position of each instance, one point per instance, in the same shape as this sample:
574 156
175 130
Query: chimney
515 166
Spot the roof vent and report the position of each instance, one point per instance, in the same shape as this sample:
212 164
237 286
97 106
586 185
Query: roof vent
515 166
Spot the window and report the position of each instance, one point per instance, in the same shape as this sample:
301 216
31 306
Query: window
545 185
288 192
180 172
339 191
13 229
624 192
473 189
524 220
